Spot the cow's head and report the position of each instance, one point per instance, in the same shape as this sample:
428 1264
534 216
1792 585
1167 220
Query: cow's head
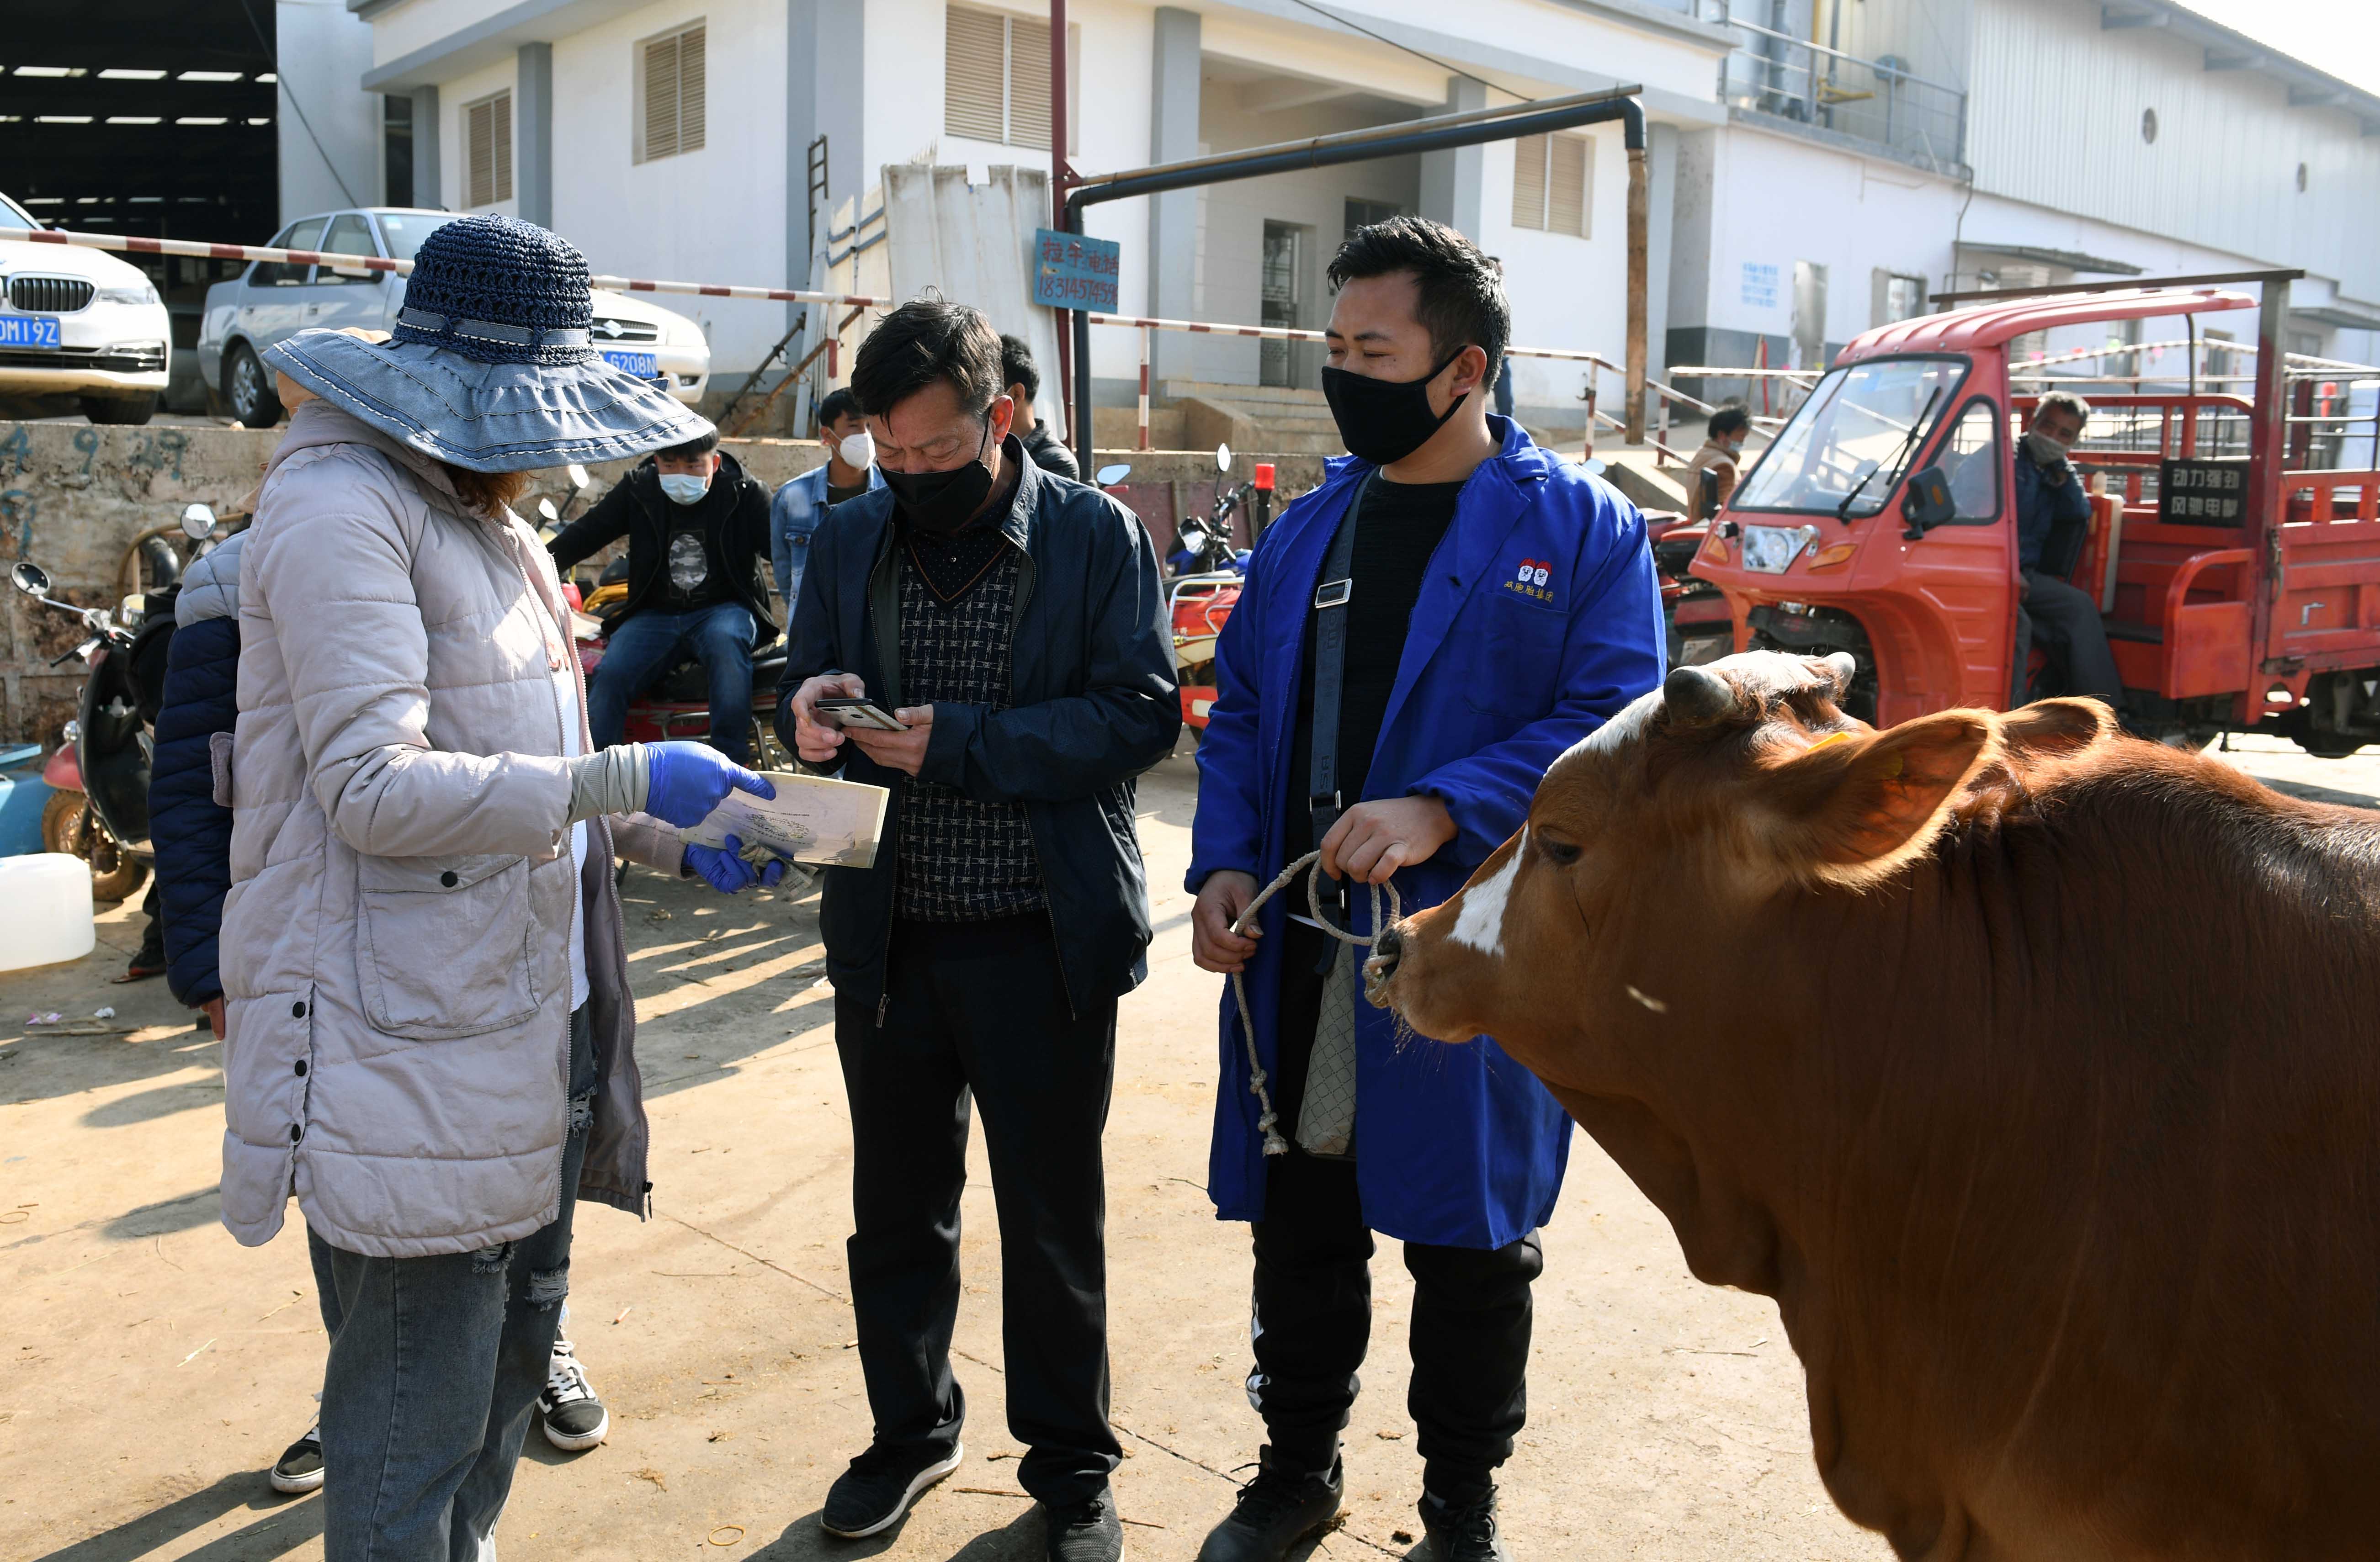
1701 803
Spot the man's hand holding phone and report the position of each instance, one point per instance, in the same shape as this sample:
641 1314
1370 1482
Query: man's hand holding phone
817 739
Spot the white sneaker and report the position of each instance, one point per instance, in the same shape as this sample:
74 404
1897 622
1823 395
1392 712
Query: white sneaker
573 1417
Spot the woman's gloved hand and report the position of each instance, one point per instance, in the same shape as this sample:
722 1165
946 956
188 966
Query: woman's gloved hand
685 781
725 870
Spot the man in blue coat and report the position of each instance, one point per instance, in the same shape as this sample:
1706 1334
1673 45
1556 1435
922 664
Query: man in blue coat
1470 606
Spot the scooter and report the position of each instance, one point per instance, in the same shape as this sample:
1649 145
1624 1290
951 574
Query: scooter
99 776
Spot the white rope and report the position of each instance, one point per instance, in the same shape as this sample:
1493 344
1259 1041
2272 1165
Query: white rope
1258 1081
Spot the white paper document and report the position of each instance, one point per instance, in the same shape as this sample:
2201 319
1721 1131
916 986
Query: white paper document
811 819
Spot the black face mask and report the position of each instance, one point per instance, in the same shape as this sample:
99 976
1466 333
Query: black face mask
1383 421
943 500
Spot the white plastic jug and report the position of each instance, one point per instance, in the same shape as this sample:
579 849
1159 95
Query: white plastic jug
44 909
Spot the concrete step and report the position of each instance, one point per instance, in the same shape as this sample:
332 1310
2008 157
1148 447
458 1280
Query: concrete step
1251 395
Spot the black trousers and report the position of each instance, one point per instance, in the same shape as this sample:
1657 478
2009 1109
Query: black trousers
1469 1338
2064 621
979 1010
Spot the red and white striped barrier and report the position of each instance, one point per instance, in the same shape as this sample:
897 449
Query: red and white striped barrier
135 245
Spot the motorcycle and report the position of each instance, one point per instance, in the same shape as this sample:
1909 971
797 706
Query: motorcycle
677 704
1209 574
99 804
1694 612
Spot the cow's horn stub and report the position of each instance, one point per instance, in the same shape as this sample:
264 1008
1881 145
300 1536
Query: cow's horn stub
1841 667
1695 696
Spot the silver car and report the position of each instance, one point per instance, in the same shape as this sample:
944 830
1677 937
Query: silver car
270 301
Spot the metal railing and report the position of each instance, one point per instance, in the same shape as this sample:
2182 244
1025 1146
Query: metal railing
1880 100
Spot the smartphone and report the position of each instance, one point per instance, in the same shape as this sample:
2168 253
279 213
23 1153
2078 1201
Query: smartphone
852 711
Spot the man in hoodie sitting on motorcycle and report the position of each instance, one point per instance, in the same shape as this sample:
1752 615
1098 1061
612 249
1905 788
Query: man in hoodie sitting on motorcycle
698 531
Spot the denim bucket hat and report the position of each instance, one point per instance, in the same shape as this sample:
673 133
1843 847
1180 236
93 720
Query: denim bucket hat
491 366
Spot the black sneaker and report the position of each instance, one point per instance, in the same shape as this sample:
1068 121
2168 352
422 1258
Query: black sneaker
299 1467
1275 1511
878 1487
1086 1531
1464 1533
574 1419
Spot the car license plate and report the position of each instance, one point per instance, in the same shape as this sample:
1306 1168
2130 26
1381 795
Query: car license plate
644 365
28 330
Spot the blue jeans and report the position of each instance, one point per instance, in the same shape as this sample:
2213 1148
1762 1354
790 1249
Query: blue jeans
653 642
434 1376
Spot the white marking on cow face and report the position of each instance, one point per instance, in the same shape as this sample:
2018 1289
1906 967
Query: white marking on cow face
1481 924
1623 729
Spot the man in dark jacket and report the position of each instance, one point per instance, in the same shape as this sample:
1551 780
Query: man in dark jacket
698 531
1011 622
2052 514
1024 382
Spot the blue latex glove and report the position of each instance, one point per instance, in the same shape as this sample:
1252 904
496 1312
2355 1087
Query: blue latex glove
725 870
685 781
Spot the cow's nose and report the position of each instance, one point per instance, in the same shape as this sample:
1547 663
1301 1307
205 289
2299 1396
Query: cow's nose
1386 949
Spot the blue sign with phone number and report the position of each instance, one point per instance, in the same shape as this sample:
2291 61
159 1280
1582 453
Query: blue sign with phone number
28 330
1073 272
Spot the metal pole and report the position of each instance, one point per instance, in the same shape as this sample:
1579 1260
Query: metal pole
2264 462
1147 337
1475 127
1639 207
1058 171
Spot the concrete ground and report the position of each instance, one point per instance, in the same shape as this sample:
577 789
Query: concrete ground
153 1368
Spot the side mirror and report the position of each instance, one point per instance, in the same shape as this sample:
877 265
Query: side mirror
1222 458
545 507
197 521
1108 477
1190 534
30 578
1927 504
578 475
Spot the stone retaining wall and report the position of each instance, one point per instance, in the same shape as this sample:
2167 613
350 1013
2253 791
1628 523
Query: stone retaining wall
74 498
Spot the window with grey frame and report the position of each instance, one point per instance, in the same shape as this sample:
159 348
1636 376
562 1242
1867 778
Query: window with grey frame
1281 292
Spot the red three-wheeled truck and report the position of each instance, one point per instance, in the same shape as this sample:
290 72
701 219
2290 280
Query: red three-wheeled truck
2234 544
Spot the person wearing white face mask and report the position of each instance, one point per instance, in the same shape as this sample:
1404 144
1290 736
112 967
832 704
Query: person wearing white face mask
801 504
697 530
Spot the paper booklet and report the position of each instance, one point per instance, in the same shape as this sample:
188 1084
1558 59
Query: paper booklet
811 819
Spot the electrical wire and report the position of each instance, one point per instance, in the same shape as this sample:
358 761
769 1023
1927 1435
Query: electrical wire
1442 65
286 91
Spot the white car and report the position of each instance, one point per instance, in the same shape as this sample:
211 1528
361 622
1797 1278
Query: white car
270 301
79 322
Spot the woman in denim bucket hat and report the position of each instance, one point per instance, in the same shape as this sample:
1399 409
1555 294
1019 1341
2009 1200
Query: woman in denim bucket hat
431 1036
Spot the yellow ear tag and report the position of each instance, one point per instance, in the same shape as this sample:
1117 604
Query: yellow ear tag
1829 738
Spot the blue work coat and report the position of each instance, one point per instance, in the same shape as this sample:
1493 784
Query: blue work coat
1539 618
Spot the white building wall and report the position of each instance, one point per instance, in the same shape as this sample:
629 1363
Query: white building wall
715 214
1775 199
1565 291
453 139
330 141
2055 121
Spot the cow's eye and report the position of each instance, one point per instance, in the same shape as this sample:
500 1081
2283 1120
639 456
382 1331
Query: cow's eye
1561 853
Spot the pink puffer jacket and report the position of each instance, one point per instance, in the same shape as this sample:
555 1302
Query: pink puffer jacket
395 946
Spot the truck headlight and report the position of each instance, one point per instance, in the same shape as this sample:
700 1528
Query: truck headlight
143 293
1770 549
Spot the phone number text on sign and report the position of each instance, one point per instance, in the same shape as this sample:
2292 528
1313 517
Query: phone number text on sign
1073 272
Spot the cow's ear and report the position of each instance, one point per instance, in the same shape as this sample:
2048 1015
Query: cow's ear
2055 728
1855 806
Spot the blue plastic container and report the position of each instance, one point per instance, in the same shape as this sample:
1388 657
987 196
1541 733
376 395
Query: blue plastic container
23 793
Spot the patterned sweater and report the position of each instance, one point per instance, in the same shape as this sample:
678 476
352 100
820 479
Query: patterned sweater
960 860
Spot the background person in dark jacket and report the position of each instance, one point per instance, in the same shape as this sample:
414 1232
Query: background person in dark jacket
2052 513
1024 382
1013 621
698 531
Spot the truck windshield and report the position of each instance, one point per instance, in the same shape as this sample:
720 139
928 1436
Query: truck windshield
1858 418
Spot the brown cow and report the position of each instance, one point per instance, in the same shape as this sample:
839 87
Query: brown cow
2031 1069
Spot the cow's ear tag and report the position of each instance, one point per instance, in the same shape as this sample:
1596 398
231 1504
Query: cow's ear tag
1829 738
